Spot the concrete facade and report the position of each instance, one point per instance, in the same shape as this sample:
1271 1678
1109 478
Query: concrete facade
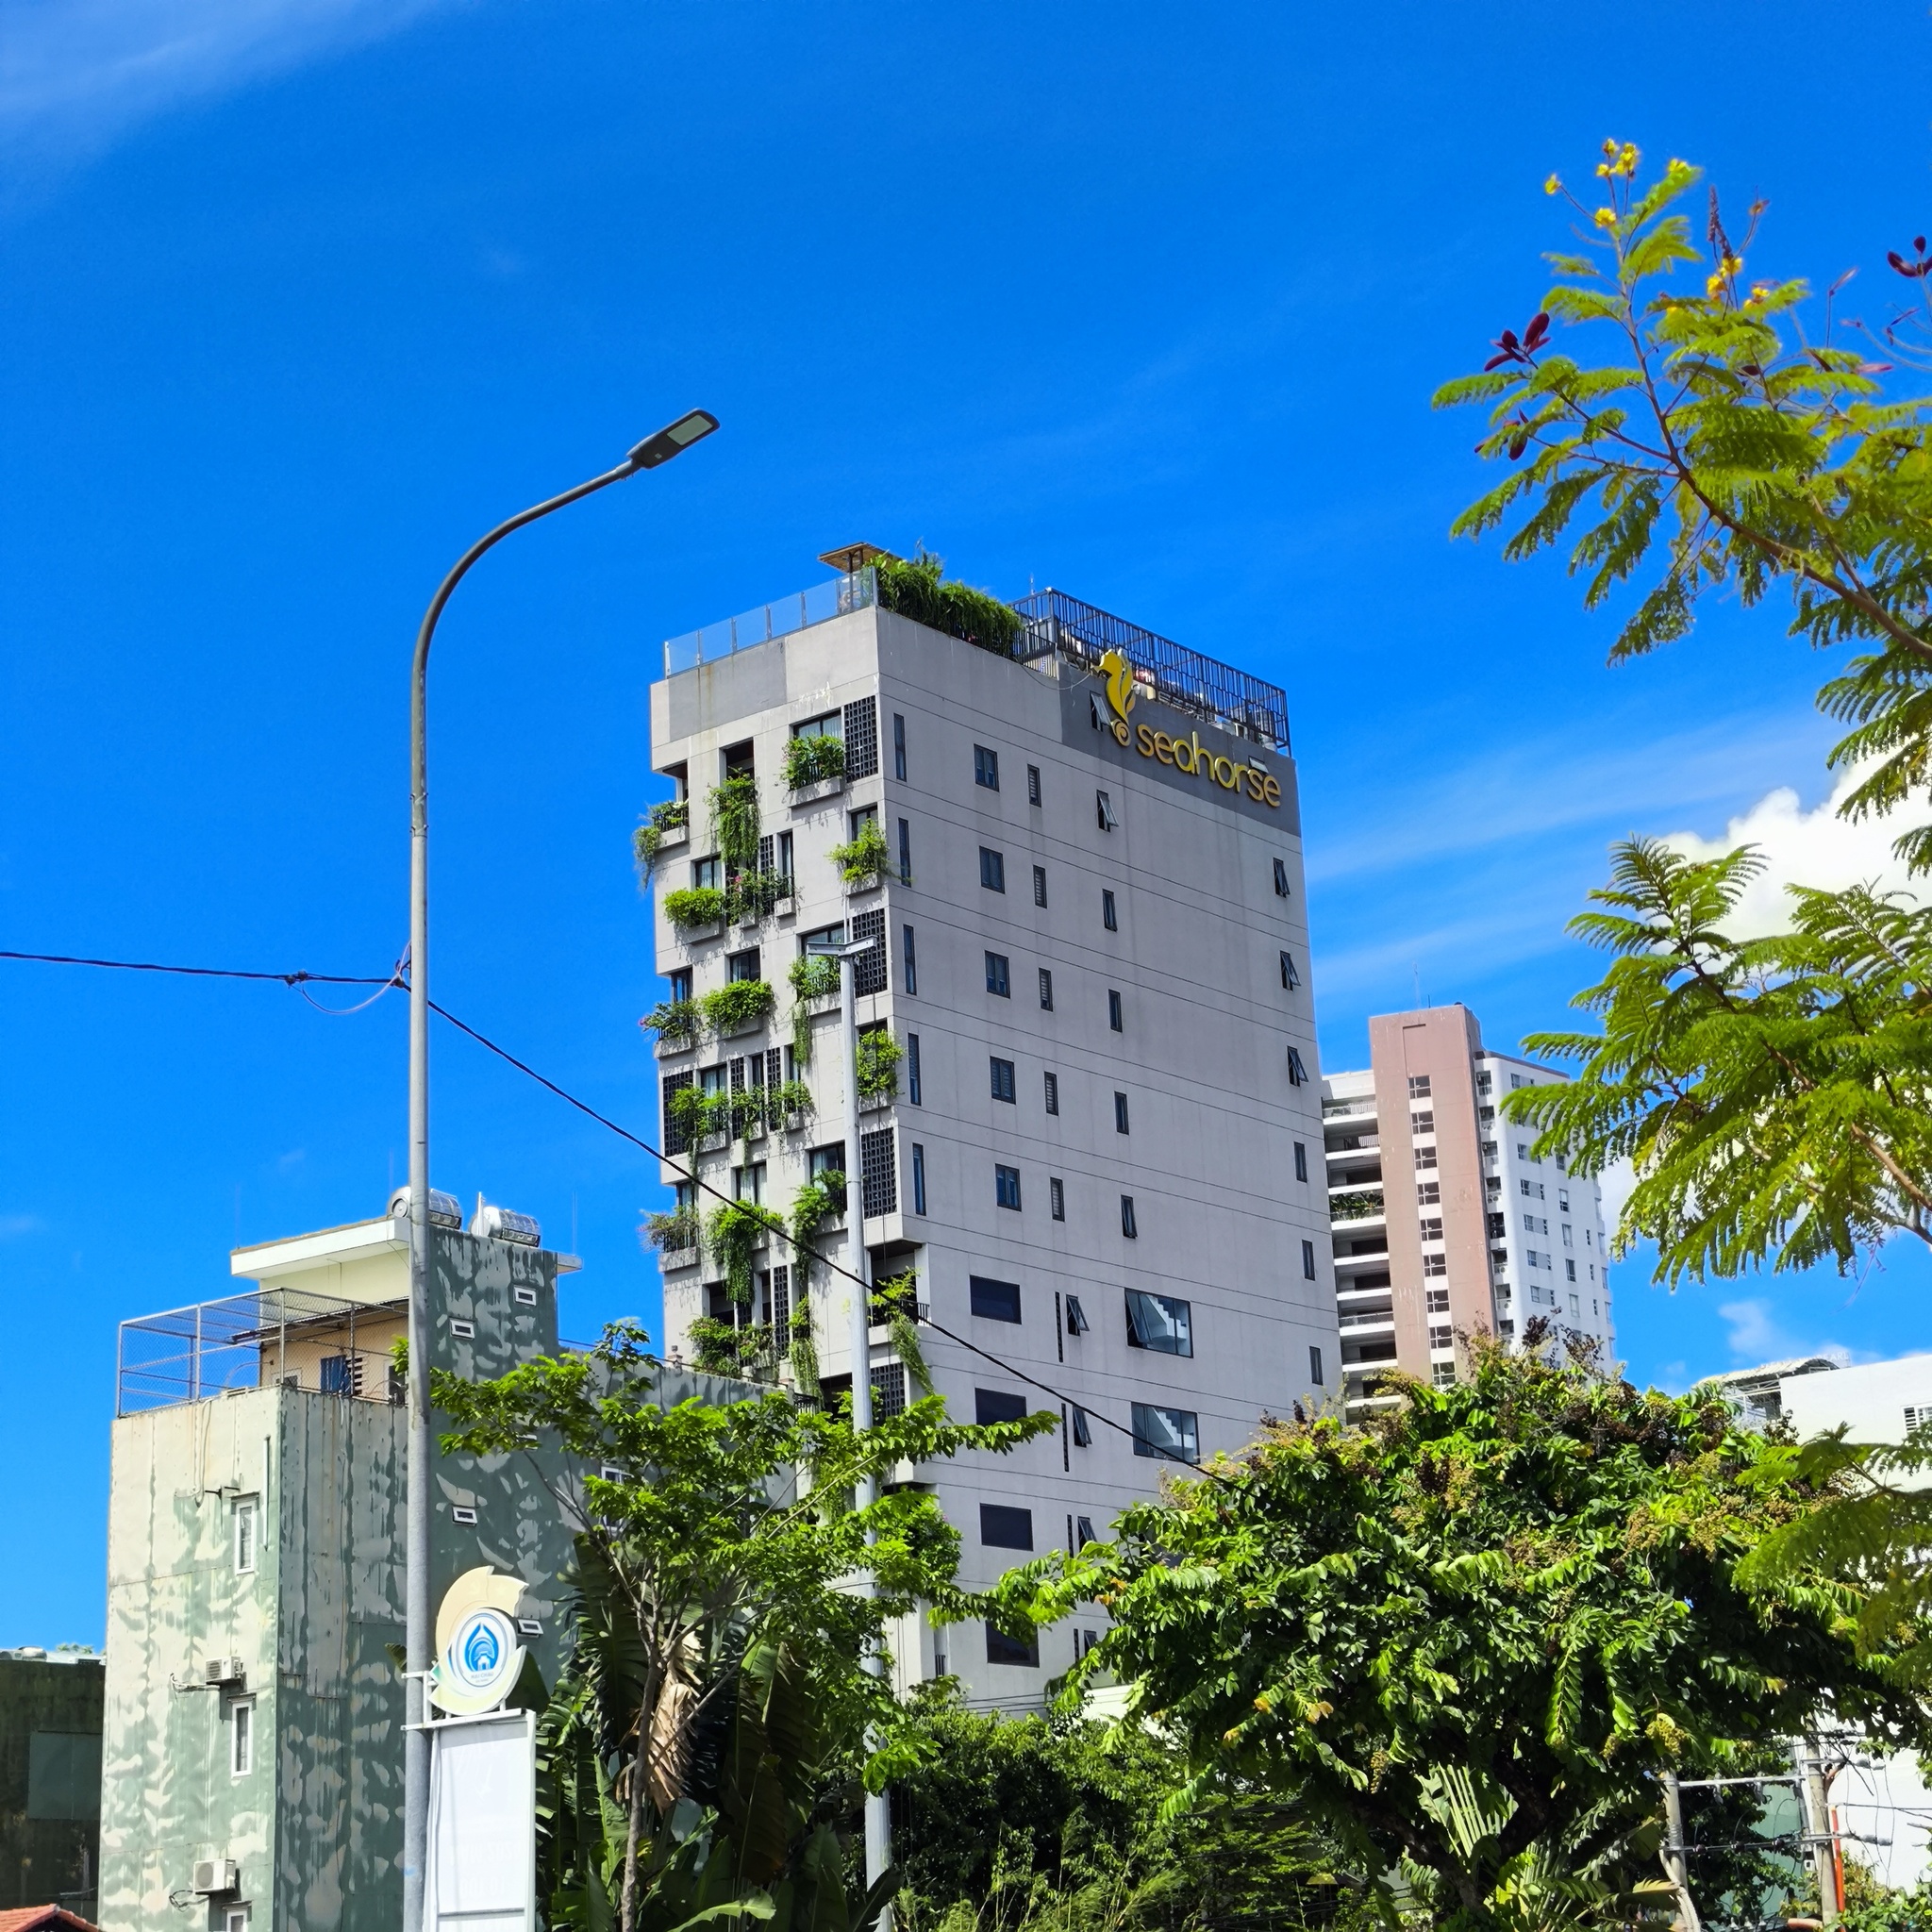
50 1779
1444 1225
1174 1068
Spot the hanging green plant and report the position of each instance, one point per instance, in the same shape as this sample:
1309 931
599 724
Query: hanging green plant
672 1233
878 1057
894 1301
735 821
756 894
805 1357
733 1236
787 1098
917 588
648 840
739 1002
812 759
674 1022
864 860
815 1204
693 907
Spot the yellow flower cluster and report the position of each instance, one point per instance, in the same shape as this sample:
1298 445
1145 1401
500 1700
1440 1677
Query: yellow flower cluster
1606 218
1725 269
1554 185
1618 161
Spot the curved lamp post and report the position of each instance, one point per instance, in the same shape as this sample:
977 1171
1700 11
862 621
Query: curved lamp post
418 1619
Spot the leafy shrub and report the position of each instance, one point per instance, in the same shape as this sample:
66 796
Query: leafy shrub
812 759
789 1097
671 1233
698 1115
754 894
649 837
878 1057
918 589
863 861
693 907
815 1204
674 1020
735 821
814 976
734 1233
739 1002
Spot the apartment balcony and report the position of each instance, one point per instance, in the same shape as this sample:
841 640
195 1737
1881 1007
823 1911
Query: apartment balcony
1367 1320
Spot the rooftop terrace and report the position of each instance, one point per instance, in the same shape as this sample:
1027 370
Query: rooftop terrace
1053 624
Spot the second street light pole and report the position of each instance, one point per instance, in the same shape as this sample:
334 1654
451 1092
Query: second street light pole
417 1615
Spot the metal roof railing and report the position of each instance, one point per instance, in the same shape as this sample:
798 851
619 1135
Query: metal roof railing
251 1340
1248 707
777 619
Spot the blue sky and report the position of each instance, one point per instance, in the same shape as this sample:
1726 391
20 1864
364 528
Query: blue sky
1143 302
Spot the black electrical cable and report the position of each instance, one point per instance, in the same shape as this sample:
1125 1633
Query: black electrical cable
211 972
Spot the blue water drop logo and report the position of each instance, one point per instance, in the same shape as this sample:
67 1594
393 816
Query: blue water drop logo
481 1651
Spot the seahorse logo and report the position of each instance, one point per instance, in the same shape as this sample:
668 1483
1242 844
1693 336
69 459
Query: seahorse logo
1120 691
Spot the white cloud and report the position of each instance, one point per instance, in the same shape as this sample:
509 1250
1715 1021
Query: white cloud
1803 848
13 1225
74 73
1755 1336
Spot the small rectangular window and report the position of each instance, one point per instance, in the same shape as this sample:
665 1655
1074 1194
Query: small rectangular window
1056 1199
1032 783
1127 1226
1004 1527
1108 917
703 872
1161 1322
996 975
1002 1649
912 962
993 869
1120 1113
1432 1227
1113 1011
1297 1073
1281 878
898 746
1171 1433
1314 1365
680 983
997 1405
918 1178
1290 978
247 1521
1421 1124
1308 1260
1418 1086
1039 885
742 965
913 1090
995 1301
905 852
985 767
1005 1186
1053 1092
242 1737
1003 1080
1045 990
1435 1264
1428 1194
1301 1160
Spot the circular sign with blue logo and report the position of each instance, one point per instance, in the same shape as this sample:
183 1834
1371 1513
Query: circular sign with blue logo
480 1663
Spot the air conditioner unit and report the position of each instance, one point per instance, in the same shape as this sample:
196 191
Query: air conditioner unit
214 1876
223 1671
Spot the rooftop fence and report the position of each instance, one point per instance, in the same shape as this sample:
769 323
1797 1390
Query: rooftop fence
779 619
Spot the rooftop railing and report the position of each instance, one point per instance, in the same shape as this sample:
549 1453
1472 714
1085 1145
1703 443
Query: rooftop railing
817 604
255 1341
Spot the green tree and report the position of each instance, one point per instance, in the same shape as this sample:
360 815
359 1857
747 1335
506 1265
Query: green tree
717 1567
1512 1600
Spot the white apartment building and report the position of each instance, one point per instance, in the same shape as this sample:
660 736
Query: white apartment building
1092 947
1443 1223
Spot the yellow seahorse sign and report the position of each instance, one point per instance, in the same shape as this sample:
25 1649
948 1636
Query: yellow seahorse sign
1187 754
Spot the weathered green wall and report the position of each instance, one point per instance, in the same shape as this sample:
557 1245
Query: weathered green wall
50 1729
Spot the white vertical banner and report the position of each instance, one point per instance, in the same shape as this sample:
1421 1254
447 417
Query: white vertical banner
482 1863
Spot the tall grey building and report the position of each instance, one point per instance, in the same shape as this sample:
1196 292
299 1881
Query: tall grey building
1103 1163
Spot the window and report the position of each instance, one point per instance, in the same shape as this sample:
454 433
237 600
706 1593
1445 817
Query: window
1523 1150
680 983
856 822
1127 1226
1003 1080
1562 1200
742 965
1432 1228
1443 1375
1290 978
1308 1260
861 738
1439 1335
913 1087
1424 1157
878 1171
1428 1194
995 1301
997 1405
1570 1269
1120 1113
1102 811
242 1737
1113 1011
831 724
247 1521
898 746
996 975
1568 1240
1001 1649
675 1141
1435 1264
1418 1086
1083 1535
888 1391
1301 1160
1314 1365
1108 917
1421 1124
992 869
1056 1199
1436 1301
869 969
1032 783
1173 1434
1045 991
905 852
985 767
918 1178
1517 1080
1039 885
1053 1092
1005 1186
1281 878
1004 1527
1497 1224
1297 1073
748 1183
1161 1323
1083 1429
911 972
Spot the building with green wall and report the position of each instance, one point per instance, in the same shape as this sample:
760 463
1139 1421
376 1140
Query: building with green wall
50 1778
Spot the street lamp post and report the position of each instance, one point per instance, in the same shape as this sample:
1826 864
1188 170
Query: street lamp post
878 1848
418 1625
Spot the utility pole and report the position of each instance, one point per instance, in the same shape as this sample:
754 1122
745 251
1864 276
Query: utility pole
1676 1866
1818 1831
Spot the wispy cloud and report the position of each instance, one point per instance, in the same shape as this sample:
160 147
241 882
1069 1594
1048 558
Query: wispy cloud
1756 1335
75 74
12 1227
